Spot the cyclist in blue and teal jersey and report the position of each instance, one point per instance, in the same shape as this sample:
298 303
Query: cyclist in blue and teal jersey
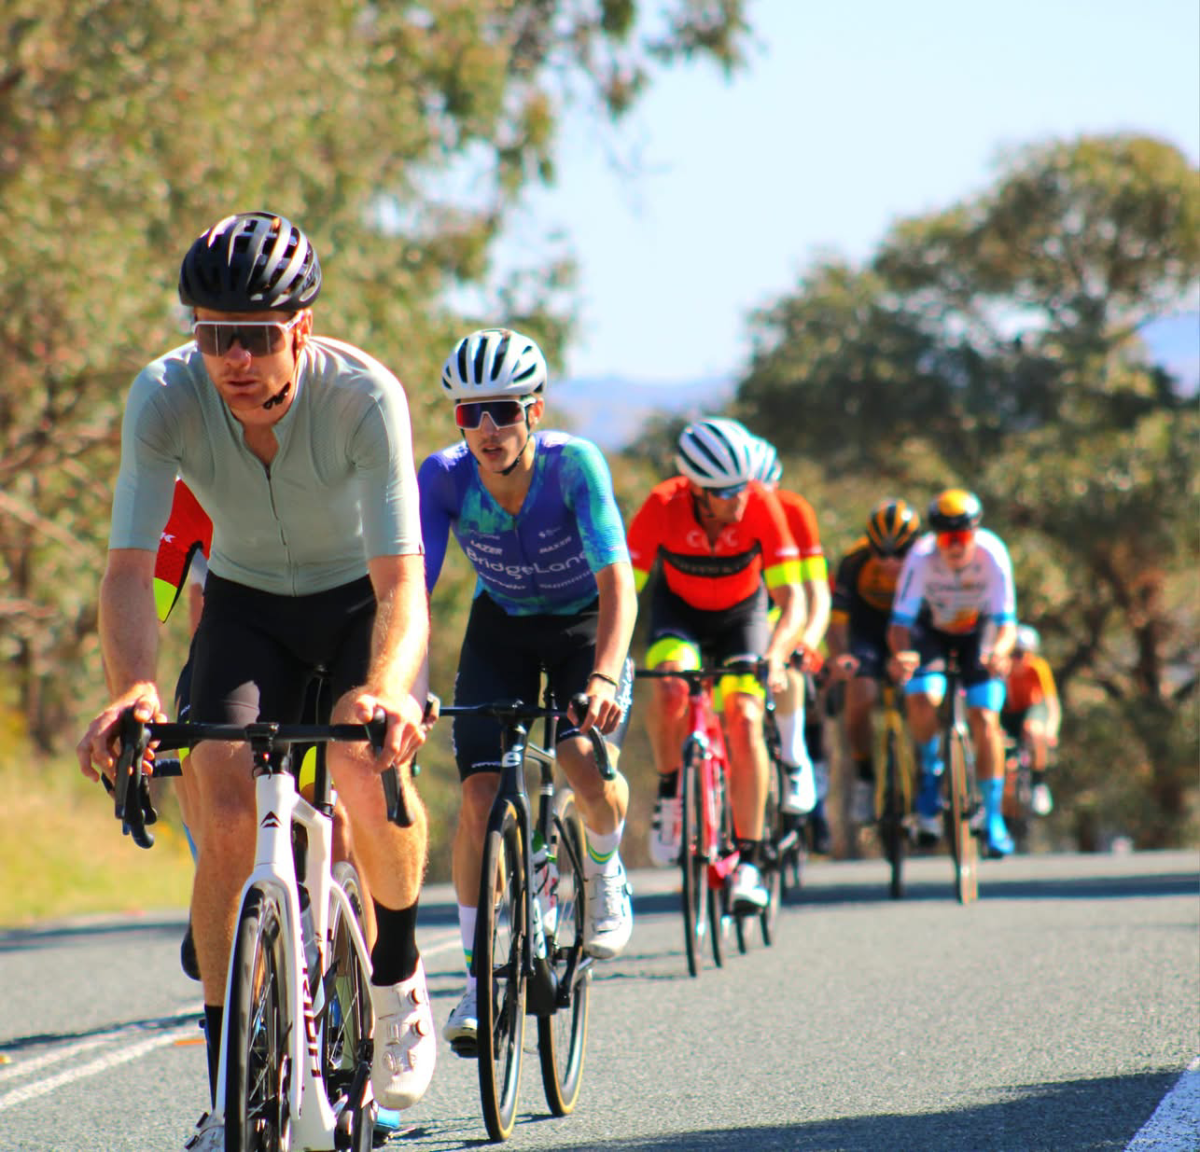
535 514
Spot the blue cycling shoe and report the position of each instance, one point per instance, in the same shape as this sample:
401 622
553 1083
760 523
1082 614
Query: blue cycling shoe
999 842
929 806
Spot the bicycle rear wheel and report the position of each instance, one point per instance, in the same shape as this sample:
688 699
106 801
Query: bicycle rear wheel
562 1036
258 1023
500 976
693 859
963 846
893 833
346 1018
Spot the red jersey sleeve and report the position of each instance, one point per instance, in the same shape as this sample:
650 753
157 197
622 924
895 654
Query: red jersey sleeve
188 528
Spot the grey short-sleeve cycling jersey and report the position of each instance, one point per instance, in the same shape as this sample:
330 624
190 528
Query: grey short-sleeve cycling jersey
340 490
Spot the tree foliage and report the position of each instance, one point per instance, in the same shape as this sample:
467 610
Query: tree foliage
995 344
398 134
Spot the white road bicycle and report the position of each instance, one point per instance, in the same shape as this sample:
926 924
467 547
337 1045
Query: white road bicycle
296 1051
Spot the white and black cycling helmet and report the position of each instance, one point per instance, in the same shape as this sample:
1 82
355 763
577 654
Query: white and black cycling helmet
1028 639
494 362
716 453
767 468
250 262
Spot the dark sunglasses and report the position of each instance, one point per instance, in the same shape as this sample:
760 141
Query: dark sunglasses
504 413
728 493
258 337
949 539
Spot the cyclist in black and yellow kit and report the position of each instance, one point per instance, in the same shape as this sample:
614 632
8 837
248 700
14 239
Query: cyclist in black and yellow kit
862 606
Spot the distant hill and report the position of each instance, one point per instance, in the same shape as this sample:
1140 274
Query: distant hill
611 410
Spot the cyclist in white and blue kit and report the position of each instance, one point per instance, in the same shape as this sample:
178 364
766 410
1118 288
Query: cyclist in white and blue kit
535 514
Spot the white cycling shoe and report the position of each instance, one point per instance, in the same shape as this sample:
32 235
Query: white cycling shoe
800 792
609 921
462 1028
405 1041
749 894
666 830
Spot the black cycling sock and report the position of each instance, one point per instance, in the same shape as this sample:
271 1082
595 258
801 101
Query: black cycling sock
668 785
865 769
748 851
394 957
214 1015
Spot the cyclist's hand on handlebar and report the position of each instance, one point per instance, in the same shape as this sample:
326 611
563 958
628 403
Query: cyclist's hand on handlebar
406 727
777 679
843 667
603 711
902 666
97 751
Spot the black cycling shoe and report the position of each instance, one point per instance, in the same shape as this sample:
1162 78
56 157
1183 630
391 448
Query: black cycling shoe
822 839
187 954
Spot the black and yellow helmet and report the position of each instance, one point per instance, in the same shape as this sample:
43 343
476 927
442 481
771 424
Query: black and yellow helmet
892 527
955 510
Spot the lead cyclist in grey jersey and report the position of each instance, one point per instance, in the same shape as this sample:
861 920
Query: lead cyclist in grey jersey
300 449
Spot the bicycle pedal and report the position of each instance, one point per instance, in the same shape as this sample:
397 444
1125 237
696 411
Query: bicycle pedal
466 1047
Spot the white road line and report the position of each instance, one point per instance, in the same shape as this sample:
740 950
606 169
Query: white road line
121 1056
25 1067
1176 1121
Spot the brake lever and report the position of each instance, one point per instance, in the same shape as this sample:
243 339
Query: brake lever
579 702
393 792
131 792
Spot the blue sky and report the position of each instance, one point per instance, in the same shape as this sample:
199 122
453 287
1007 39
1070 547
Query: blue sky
849 117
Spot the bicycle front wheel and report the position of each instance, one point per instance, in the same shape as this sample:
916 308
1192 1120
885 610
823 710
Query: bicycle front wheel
720 911
258 1023
500 976
562 1036
963 846
891 823
775 829
346 1016
693 859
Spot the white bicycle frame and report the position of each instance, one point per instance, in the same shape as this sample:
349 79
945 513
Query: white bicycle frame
279 807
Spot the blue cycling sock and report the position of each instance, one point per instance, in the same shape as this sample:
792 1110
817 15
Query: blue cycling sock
928 751
993 796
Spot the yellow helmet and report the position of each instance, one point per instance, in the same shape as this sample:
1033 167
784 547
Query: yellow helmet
955 510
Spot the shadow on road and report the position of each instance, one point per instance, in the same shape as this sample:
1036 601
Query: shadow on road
993 885
1076 1116
87 933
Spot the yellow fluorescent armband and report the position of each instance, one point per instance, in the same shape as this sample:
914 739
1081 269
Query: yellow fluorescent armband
639 579
779 574
165 595
814 569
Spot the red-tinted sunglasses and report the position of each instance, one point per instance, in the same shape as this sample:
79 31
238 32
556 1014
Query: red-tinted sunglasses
962 538
504 413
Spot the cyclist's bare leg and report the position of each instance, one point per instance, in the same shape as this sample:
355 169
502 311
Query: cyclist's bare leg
1039 745
988 739
343 849
478 792
748 763
223 794
392 859
602 803
861 694
667 719
922 711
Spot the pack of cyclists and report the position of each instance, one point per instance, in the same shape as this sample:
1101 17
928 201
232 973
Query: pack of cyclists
294 456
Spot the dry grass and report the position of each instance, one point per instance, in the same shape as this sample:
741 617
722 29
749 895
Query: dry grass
62 852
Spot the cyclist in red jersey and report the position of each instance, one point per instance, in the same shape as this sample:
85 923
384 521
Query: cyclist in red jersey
723 550
806 787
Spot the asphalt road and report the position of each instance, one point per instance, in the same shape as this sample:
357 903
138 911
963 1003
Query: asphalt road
1054 1015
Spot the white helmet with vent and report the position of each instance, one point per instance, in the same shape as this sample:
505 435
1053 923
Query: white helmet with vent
716 453
493 362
